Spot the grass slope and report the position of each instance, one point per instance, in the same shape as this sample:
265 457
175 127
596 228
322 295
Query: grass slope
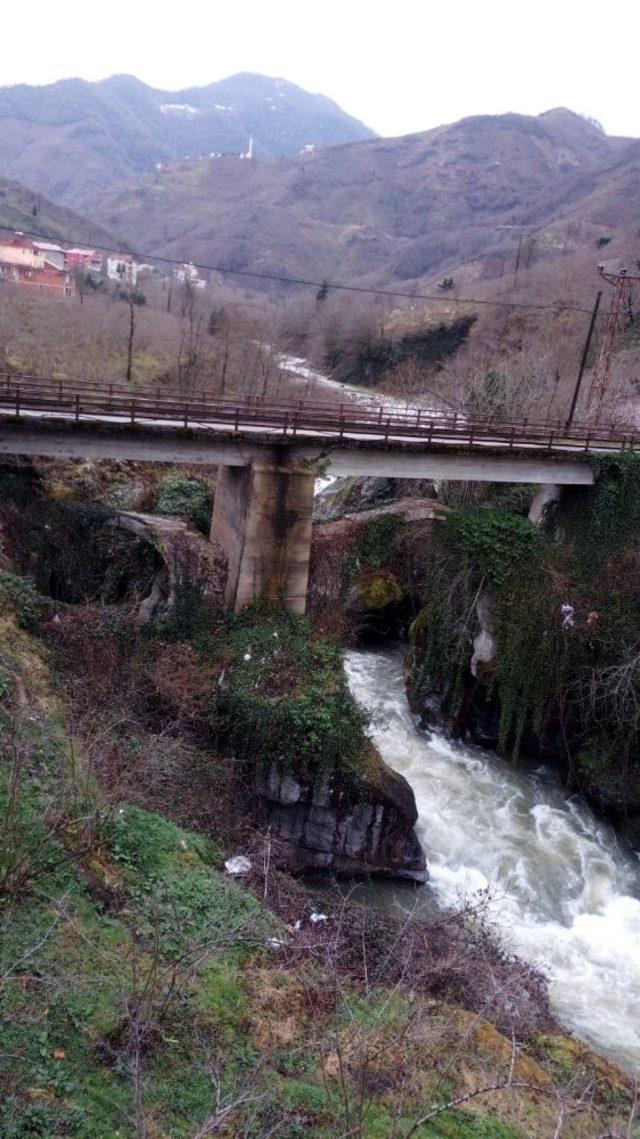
142 995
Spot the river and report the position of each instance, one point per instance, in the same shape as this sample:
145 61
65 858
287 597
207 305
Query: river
567 895
300 369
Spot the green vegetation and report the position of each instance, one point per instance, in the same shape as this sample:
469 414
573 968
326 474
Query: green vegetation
117 945
285 699
188 497
497 543
29 605
145 993
604 519
367 358
367 567
373 546
566 618
379 589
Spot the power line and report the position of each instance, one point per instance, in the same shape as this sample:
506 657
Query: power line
279 278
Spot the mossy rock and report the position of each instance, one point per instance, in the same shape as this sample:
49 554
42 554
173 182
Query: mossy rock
379 589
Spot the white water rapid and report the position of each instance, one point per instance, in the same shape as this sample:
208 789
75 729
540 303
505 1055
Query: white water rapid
567 894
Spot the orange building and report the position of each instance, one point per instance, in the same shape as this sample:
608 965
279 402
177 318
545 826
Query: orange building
46 281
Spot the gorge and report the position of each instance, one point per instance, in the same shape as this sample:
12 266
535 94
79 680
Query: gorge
565 892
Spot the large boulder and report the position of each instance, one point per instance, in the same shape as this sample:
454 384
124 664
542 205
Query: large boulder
186 555
344 822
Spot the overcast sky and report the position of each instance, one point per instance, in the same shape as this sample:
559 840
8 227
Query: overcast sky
401 65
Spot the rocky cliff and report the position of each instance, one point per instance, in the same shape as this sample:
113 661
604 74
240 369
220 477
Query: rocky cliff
344 823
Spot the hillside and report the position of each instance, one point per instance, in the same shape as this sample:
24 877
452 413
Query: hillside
28 211
382 210
147 993
74 140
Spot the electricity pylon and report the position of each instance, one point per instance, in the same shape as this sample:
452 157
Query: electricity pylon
622 282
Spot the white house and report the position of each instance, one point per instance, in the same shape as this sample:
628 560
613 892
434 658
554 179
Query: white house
188 274
121 267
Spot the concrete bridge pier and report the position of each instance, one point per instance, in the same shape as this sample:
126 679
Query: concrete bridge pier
546 495
262 520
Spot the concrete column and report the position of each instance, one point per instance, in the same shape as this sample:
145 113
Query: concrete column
262 520
545 496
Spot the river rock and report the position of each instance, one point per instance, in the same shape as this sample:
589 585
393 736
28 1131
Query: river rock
345 822
186 556
349 494
485 649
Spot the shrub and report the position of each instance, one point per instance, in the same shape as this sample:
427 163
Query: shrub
495 542
186 497
367 358
285 698
30 607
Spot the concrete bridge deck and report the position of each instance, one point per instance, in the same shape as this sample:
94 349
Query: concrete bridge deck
269 453
48 413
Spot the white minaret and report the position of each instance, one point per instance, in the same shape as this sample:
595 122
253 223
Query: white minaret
250 150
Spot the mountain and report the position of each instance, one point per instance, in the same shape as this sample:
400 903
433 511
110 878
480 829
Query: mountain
74 140
384 211
30 212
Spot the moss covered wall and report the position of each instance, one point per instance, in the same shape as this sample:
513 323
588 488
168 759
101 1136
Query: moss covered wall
564 608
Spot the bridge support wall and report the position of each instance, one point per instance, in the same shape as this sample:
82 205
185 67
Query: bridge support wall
262 520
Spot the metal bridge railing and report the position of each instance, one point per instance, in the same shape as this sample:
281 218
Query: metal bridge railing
28 394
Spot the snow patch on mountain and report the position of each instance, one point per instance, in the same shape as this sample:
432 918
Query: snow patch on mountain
178 109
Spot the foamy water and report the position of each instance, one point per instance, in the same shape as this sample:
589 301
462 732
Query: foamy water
567 895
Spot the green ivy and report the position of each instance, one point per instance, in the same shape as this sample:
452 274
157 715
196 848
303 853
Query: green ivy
498 543
373 547
527 629
543 667
599 520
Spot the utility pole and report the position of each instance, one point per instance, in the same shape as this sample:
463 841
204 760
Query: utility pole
515 275
583 362
622 282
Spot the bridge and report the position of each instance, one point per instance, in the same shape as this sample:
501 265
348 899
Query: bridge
270 452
